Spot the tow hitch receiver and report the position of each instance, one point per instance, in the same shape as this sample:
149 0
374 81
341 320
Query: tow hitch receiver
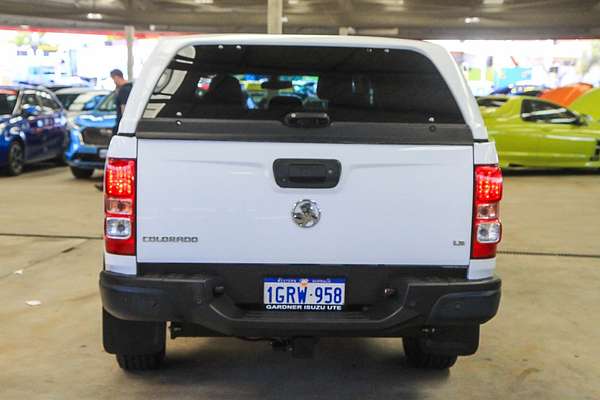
301 347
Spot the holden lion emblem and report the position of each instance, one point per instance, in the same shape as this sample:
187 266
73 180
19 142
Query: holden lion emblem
306 213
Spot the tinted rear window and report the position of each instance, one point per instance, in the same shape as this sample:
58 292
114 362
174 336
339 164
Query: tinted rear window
269 82
8 100
491 102
67 99
108 104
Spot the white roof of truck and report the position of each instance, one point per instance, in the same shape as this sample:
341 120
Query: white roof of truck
168 47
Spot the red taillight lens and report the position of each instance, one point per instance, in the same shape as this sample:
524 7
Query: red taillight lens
488 183
119 178
487 228
119 206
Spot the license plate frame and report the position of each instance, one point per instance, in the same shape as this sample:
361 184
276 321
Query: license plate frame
304 294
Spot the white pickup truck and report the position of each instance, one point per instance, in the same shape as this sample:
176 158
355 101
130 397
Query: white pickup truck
297 187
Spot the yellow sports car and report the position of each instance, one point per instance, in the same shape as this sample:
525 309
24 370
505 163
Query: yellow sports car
530 132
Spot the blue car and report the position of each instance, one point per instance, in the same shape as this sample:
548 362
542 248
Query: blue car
33 127
90 135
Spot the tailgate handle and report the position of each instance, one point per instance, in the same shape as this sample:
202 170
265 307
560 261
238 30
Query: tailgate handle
307 173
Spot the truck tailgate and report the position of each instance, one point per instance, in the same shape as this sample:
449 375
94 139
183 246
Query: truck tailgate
218 202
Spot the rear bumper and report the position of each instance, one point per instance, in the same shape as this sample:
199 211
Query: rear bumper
206 300
86 157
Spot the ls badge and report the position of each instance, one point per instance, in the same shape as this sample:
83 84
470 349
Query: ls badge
306 213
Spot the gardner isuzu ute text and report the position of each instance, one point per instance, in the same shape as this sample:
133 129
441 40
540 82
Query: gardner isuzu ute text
297 187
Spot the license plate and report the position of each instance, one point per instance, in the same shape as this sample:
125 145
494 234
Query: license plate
102 153
304 294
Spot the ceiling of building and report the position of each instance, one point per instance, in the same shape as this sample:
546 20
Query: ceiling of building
422 19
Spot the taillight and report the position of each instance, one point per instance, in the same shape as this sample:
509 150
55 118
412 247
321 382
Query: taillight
487 229
119 206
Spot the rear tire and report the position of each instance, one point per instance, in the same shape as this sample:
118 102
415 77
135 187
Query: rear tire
413 350
16 159
61 159
140 362
81 173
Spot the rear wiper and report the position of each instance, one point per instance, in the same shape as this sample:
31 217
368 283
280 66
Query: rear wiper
307 120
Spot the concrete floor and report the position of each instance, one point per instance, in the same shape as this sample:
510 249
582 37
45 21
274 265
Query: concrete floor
545 342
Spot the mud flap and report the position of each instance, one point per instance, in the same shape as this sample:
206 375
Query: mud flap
132 337
451 340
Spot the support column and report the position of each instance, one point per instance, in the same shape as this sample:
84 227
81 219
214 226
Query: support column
129 37
275 16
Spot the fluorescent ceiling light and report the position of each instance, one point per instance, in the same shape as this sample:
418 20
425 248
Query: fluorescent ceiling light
293 2
394 4
203 1
493 2
472 20
94 16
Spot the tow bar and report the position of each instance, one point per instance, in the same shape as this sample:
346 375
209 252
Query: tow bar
300 347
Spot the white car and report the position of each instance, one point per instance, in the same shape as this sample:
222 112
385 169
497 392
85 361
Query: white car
77 100
246 206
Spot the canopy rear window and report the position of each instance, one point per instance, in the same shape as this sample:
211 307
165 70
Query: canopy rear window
235 82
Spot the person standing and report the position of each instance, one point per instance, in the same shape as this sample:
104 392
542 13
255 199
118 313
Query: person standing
123 89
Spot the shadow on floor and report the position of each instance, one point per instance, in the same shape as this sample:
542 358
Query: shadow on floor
30 168
341 368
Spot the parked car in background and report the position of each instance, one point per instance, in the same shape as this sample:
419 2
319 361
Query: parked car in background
80 99
565 95
33 127
489 104
90 135
531 132
520 90
588 103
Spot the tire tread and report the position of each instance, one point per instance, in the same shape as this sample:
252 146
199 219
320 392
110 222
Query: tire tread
140 362
81 173
9 169
418 358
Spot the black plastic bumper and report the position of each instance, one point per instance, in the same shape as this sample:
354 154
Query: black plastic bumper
87 160
205 300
